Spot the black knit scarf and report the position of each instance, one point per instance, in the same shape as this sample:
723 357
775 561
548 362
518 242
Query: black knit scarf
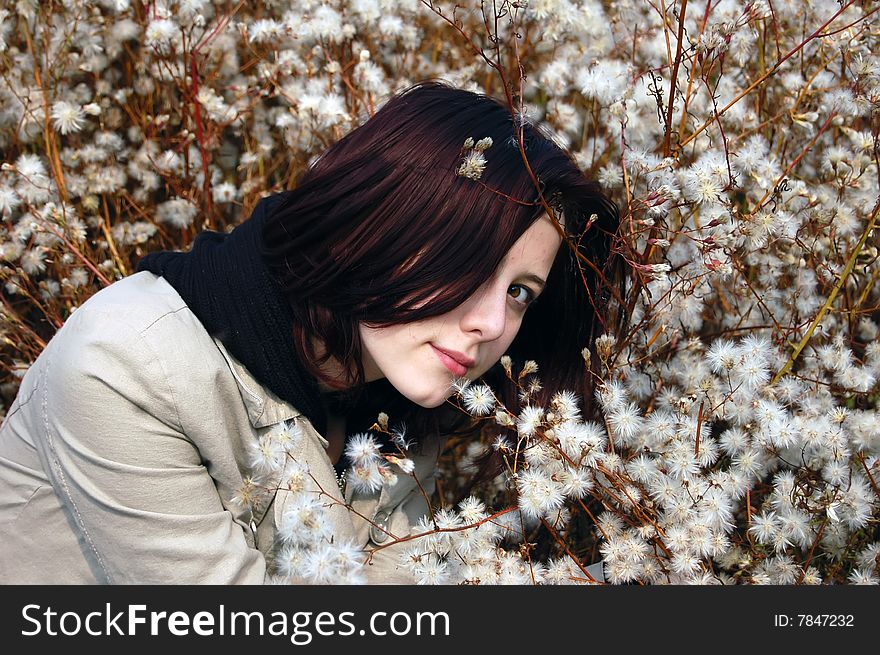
225 283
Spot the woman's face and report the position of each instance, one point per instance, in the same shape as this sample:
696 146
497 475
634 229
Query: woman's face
420 359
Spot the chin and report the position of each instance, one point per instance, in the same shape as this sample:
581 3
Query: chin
429 402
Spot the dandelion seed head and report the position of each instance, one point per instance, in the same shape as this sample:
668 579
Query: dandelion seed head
473 165
576 483
612 395
565 404
479 400
625 422
304 520
33 260
472 509
538 493
362 449
367 477
266 455
530 419
67 117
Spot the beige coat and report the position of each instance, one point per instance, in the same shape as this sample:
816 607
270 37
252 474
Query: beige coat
120 457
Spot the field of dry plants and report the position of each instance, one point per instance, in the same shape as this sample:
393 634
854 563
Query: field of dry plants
739 439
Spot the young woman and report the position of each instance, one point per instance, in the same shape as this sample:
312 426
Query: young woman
415 251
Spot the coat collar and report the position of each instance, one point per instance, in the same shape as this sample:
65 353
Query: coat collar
263 407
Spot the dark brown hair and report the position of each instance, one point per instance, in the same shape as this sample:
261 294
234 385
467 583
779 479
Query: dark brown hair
382 230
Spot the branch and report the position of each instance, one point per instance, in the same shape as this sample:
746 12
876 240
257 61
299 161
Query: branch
837 287
672 82
770 72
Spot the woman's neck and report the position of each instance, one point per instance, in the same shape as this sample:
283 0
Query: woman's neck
335 436
336 429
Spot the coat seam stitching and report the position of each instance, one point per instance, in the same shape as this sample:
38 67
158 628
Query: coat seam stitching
60 472
242 385
159 318
161 364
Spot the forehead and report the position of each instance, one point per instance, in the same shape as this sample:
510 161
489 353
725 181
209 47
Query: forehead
537 247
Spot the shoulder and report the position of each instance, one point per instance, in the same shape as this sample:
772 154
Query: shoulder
136 352
136 303
134 335
142 310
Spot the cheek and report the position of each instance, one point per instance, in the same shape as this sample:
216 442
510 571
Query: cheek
387 339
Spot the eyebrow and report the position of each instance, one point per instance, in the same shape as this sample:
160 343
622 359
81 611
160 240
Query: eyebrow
537 280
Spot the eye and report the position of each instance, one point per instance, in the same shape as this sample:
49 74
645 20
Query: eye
521 295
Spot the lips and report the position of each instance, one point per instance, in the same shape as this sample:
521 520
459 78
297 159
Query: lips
456 362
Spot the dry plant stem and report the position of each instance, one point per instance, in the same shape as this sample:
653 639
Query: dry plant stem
53 317
672 82
794 163
775 24
568 552
451 21
636 508
426 497
808 84
601 276
597 314
638 278
12 314
338 501
76 251
763 77
864 294
398 540
861 458
200 137
666 27
593 519
760 301
646 322
687 95
719 293
730 181
200 132
772 120
524 203
748 508
699 425
395 538
854 23
837 287
626 183
812 550
111 243
48 132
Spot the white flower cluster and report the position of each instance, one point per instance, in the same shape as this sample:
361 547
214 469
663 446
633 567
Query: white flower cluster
687 503
369 468
474 161
306 548
470 545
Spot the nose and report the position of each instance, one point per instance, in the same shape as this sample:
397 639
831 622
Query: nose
485 312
